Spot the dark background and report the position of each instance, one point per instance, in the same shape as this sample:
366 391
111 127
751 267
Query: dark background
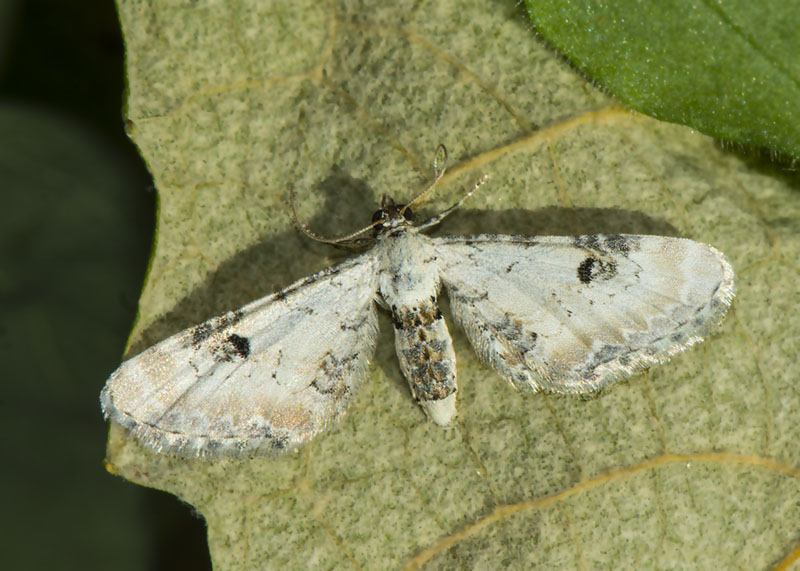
76 227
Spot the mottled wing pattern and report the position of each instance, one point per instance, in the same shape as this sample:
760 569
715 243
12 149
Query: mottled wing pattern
572 314
259 380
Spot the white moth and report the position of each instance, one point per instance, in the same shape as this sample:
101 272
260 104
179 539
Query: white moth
552 313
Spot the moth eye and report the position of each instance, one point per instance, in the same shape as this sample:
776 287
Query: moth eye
379 215
408 214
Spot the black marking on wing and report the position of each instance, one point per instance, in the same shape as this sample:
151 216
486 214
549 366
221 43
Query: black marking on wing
202 332
619 243
603 355
512 331
585 270
335 373
279 442
590 241
592 269
607 243
233 348
240 344
678 337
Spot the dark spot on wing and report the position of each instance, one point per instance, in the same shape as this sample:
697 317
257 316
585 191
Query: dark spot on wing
509 328
608 353
607 243
240 344
592 269
233 348
463 297
335 373
517 341
278 441
585 270
590 241
619 243
205 330
201 332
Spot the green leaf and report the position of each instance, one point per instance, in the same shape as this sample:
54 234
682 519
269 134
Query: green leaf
727 69
694 463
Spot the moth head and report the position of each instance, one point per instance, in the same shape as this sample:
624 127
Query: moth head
392 218
391 215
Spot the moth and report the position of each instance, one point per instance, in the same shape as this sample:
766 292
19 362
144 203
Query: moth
548 313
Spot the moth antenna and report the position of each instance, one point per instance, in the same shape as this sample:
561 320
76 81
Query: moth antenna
314 236
441 216
440 154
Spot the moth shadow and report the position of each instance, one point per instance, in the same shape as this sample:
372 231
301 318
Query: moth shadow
553 221
280 259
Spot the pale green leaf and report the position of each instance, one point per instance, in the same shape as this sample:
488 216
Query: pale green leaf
692 464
